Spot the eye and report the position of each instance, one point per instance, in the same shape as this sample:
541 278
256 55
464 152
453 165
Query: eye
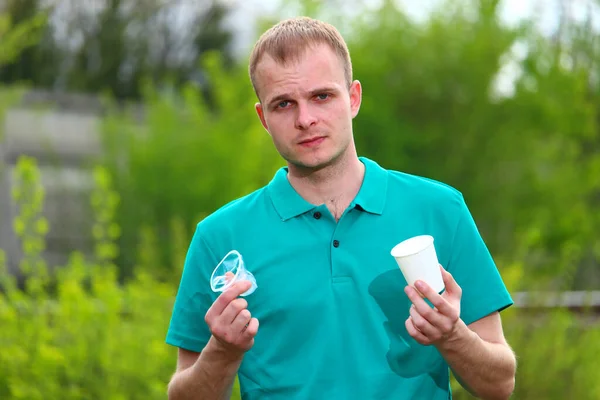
283 104
323 96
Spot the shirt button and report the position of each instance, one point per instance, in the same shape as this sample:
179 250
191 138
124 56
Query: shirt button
317 215
336 243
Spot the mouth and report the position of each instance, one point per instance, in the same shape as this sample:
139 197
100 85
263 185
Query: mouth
311 142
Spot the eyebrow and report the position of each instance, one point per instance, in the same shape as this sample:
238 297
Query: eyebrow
285 96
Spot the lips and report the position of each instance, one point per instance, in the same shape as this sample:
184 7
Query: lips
312 141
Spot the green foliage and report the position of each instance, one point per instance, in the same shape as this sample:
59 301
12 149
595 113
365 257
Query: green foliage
120 43
556 349
556 353
564 346
30 226
105 230
83 336
17 37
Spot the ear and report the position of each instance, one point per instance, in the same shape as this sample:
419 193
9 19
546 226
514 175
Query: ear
355 97
261 115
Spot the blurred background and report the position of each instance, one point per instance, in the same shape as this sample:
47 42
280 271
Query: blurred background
124 122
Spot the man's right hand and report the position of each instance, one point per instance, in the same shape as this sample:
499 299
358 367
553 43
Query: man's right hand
230 322
210 374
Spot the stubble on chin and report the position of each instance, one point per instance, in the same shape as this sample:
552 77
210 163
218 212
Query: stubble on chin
315 164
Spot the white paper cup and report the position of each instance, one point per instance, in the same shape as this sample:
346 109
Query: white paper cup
418 260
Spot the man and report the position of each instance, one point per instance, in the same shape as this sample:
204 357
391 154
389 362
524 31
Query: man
337 319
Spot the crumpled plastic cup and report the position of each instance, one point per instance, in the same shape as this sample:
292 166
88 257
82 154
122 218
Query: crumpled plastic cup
231 269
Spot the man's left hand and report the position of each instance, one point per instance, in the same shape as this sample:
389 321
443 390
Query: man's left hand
434 325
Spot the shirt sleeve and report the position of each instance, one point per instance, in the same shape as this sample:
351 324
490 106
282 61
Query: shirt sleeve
473 268
187 328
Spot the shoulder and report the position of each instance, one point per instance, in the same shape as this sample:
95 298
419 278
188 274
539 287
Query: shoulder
424 190
227 219
235 209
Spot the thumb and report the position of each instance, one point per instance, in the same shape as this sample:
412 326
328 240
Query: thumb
451 286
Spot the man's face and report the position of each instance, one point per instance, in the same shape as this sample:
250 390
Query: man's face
307 107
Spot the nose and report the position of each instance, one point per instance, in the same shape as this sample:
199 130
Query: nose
304 118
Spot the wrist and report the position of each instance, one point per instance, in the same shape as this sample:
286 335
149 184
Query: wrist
459 339
215 350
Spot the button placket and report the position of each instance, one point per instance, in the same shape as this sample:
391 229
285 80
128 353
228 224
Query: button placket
340 271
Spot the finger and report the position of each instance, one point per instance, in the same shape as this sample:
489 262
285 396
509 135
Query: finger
232 310
414 332
424 309
229 276
249 334
424 326
225 298
440 303
452 286
251 329
241 320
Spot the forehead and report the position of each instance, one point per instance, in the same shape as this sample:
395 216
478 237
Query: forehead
316 66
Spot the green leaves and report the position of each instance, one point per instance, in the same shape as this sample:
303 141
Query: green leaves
84 335
15 38
105 231
30 225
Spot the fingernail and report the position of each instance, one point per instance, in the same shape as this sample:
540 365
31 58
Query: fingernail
420 285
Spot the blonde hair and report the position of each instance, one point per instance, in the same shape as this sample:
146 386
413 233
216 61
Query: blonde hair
290 38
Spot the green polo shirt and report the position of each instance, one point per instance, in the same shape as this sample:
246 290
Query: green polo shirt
330 297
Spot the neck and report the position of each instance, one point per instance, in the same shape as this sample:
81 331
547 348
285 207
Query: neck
335 185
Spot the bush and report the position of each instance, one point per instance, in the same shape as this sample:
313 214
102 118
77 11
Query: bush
556 349
556 353
78 334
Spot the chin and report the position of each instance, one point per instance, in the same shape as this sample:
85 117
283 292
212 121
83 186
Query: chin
315 160
313 163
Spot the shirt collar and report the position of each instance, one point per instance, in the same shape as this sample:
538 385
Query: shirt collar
373 193
370 198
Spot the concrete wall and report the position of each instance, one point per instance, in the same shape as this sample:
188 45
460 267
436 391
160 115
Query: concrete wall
63 141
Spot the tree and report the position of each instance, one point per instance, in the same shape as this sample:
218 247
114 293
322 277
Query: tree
17 36
117 47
